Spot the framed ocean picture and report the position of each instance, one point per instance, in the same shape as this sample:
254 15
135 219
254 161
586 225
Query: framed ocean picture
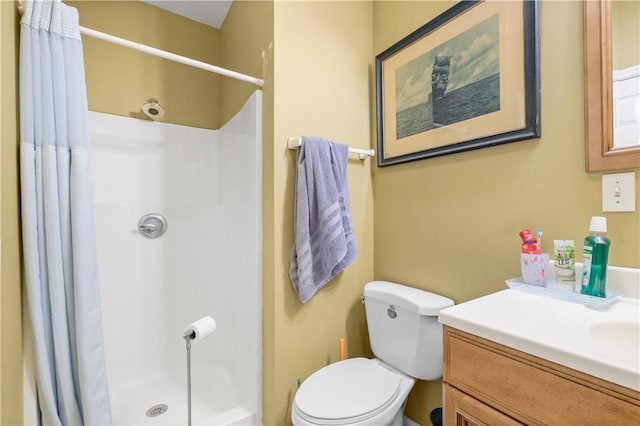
467 79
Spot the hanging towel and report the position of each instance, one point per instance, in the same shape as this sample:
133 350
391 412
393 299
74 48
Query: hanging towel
323 244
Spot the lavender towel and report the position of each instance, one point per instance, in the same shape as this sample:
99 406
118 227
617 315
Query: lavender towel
324 244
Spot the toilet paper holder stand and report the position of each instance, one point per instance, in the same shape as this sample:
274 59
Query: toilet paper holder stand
195 332
188 336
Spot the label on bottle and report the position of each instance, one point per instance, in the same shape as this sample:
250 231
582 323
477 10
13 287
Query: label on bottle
586 265
565 264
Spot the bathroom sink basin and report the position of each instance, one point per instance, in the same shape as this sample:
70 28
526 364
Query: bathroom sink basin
620 336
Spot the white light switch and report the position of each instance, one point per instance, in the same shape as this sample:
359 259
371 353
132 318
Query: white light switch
619 192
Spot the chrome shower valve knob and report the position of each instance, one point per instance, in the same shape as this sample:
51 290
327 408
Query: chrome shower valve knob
152 225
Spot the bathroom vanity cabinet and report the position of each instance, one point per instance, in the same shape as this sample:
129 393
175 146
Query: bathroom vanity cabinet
486 383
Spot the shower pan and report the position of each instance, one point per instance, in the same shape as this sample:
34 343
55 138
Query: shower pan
206 186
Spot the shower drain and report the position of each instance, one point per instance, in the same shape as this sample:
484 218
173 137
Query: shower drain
157 410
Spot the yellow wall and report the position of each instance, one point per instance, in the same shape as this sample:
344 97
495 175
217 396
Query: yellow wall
10 251
431 215
450 224
322 57
245 40
120 80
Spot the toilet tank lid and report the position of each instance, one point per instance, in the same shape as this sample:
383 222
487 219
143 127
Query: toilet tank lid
413 299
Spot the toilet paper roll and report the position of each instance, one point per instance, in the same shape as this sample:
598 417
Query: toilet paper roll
201 328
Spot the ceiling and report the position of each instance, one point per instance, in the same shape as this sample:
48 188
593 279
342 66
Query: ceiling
208 12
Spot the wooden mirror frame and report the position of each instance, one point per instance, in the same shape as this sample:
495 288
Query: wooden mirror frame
598 104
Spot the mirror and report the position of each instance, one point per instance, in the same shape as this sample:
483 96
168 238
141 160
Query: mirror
602 153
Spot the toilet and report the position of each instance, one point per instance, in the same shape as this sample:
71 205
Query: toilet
406 339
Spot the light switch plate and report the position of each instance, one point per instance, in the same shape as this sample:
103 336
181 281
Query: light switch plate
619 192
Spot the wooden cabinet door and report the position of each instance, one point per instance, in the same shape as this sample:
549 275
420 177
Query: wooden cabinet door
531 390
461 409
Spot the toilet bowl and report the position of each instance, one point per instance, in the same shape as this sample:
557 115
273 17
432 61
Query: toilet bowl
406 339
356 391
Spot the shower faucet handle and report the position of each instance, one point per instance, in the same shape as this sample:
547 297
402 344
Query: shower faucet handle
152 225
147 227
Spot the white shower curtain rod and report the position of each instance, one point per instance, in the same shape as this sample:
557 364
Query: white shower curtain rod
171 56
164 54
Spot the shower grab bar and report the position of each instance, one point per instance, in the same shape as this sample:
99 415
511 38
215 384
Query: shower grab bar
163 54
295 143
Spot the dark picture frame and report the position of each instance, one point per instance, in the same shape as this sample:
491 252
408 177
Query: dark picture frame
468 79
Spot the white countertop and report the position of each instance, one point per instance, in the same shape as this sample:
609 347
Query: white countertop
603 342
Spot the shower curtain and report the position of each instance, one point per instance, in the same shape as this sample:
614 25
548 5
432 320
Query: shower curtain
63 297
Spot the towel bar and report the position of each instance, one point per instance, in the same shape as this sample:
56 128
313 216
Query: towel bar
294 143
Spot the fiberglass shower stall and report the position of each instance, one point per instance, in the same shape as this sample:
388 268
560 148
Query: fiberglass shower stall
207 184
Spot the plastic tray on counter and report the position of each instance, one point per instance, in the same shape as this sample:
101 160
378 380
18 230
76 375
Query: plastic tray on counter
569 296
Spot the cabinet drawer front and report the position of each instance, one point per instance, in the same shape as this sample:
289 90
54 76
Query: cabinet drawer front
533 394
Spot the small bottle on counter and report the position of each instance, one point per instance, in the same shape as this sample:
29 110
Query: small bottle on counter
595 258
565 268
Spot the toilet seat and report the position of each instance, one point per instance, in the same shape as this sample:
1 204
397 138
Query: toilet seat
348 391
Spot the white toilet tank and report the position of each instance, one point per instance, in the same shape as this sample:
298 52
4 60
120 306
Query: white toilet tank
404 331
